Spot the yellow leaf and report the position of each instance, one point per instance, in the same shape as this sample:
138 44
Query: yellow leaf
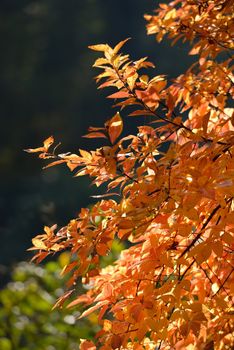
85 154
131 80
170 14
55 247
48 142
64 259
119 45
215 287
107 325
99 47
39 244
100 61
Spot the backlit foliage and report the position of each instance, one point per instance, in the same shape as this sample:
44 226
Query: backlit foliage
172 288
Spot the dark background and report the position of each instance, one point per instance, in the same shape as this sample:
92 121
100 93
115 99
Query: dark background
47 88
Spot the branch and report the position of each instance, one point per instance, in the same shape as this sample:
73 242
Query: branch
214 211
222 286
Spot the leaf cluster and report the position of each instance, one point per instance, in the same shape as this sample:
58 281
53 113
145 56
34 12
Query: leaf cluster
174 181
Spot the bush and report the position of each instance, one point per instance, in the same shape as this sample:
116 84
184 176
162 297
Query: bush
26 319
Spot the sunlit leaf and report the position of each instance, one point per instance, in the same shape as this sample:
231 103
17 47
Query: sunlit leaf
114 127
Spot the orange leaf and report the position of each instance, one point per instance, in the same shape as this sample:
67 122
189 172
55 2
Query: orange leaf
94 308
62 299
102 249
84 298
114 127
141 112
119 45
100 47
69 267
119 94
116 341
217 248
46 144
94 135
87 345
119 327
35 150
203 254
54 163
106 293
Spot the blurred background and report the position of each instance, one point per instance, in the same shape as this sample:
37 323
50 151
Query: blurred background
47 88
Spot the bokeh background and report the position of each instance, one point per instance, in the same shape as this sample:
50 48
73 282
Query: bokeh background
47 88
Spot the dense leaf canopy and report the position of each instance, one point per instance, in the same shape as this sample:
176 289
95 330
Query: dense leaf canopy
172 287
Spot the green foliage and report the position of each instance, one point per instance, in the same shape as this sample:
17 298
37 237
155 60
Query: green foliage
26 319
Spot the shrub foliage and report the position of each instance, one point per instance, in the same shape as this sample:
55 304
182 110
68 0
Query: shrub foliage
170 191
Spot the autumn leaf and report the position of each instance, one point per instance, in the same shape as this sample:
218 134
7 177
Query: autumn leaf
99 47
95 135
46 145
94 308
39 244
87 345
120 45
119 94
114 127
